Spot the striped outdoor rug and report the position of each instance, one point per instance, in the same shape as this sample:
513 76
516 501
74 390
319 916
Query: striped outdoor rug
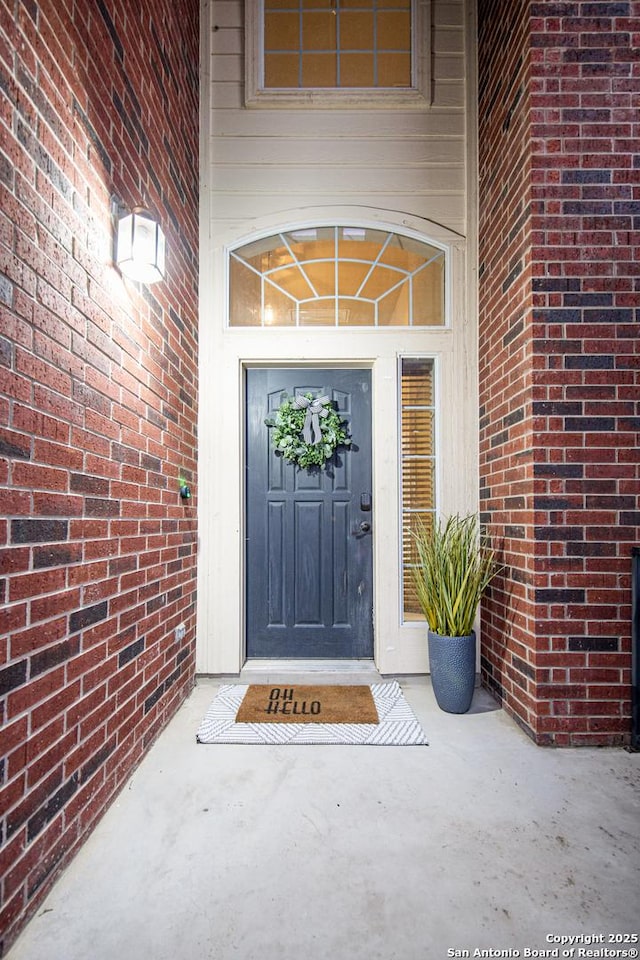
397 724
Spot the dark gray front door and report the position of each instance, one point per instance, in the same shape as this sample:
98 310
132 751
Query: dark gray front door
308 551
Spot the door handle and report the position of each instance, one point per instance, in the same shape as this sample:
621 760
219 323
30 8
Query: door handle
360 529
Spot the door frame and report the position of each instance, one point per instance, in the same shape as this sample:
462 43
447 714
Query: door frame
399 647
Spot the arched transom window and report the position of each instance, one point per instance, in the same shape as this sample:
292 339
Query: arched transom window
337 276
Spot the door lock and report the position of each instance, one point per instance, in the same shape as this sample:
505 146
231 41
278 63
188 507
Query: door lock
365 527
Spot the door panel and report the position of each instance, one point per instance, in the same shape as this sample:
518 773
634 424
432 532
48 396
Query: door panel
309 574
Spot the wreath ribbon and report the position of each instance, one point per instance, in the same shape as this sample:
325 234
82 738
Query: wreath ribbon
311 431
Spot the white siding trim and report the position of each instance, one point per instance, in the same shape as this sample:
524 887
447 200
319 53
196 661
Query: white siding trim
396 168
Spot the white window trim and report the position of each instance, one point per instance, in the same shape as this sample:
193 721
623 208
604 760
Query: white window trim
417 96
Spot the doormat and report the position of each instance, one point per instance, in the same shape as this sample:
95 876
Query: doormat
307 704
397 724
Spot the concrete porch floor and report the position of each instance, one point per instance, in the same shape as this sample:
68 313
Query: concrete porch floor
480 840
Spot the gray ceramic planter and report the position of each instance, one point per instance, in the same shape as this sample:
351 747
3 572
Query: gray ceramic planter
452 661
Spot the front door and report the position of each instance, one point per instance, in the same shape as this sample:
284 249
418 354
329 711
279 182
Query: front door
309 576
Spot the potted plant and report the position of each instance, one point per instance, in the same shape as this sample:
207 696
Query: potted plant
454 566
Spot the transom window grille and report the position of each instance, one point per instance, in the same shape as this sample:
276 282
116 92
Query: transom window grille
417 459
337 43
337 276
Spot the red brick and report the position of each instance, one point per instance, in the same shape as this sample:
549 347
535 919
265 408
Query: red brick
14 559
42 373
33 476
13 617
36 584
45 608
41 425
581 149
13 734
51 759
57 455
57 505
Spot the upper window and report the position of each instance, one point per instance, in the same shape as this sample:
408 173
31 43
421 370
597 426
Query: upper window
337 43
346 52
337 276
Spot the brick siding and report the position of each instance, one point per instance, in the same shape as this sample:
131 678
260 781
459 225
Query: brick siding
559 359
98 400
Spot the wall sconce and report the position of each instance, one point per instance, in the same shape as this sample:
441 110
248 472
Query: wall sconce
140 246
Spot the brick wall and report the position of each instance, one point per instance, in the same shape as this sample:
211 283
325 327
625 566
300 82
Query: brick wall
560 358
505 350
98 397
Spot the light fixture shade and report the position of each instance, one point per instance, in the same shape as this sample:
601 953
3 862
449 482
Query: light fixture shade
140 252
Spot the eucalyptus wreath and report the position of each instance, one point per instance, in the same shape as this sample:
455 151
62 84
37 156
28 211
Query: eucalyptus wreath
307 430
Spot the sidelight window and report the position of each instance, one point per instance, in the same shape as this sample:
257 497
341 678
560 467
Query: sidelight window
417 462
